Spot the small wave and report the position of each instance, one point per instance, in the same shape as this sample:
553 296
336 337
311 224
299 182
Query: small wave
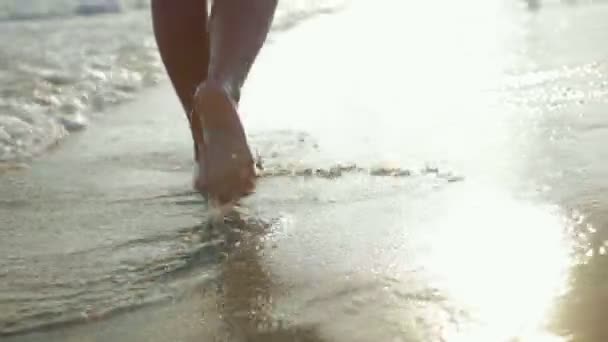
340 170
66 289
51 85
47 9
25 134
62 71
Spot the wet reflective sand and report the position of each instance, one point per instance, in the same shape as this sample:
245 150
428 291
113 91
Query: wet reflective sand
474 211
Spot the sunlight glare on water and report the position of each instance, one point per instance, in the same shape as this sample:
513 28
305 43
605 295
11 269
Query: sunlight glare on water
436 65
506 261
503 258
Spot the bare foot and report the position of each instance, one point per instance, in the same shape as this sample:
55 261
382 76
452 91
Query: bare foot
225 165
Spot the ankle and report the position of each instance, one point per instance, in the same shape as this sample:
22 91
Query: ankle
231 91
218 110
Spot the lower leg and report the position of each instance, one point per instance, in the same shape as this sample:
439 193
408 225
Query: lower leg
237 29
181 35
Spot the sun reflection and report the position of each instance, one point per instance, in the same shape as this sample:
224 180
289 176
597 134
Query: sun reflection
426 92
504 260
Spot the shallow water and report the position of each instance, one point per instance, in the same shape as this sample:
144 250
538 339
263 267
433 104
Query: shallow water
488 224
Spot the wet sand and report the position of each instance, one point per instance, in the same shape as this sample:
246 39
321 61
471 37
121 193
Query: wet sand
474 212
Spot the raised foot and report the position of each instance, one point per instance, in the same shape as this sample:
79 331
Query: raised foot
225 164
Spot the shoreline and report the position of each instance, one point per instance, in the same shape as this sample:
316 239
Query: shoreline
413 258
